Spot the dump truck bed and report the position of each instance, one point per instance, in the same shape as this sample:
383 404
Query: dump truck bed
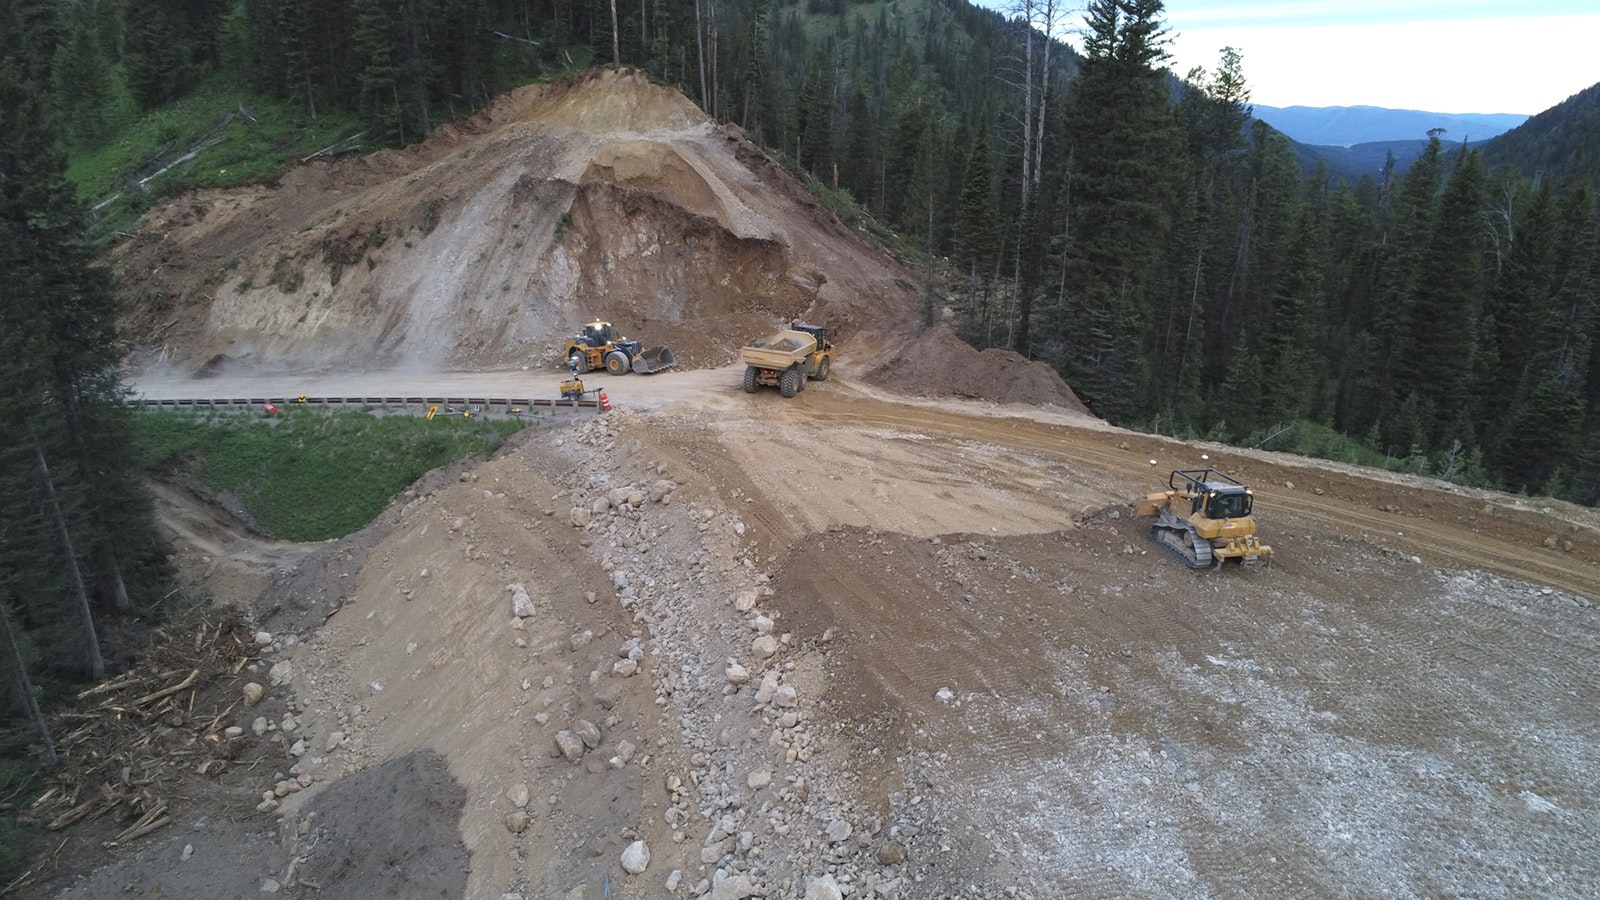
778 351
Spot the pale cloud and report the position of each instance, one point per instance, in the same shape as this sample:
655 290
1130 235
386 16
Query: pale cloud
1519 64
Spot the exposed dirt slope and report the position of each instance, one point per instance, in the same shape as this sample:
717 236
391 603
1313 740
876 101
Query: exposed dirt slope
601 197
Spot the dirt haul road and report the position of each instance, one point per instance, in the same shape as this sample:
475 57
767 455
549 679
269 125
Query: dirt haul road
850 644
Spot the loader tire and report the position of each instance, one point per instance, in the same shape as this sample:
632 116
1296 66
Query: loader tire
752 379
822 370
789 383
617 362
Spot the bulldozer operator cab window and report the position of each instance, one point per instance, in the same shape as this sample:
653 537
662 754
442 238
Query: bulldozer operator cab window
1228 506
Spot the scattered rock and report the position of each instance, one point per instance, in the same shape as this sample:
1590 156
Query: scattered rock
521 603
636 858
824 888
736 887
253 693
518 794
569 745
588 732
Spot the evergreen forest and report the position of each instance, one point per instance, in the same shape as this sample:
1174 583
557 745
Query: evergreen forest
1137 230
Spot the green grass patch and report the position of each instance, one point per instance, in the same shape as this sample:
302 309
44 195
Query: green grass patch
237 136
307 475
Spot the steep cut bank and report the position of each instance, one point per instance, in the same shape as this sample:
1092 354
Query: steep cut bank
602 196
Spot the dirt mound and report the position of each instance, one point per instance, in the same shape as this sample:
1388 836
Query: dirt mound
937 363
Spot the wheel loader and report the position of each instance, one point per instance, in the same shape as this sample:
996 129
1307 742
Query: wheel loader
787 359
1203 518
597 345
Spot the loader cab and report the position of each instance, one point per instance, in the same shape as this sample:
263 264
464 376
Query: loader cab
596 334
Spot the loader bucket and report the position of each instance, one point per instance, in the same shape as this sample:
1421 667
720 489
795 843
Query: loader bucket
654 359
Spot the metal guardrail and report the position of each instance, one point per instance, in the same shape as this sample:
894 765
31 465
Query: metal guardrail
423 405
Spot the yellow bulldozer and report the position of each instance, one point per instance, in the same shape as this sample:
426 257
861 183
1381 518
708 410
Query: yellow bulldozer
1203 518
597 345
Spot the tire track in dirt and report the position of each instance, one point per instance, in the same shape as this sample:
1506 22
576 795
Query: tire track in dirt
1432 539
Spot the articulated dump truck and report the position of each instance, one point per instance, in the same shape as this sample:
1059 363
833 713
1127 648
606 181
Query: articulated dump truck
787 359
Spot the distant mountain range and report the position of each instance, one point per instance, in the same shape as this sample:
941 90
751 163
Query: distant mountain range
1346 126
1562 142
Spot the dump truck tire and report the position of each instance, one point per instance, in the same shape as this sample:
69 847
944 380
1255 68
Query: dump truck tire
752 379
822 370
617 362
789 382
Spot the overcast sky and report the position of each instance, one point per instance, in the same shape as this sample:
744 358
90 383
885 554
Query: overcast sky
1456 56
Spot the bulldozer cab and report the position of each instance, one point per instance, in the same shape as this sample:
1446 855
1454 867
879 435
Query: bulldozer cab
1227 503
1213 494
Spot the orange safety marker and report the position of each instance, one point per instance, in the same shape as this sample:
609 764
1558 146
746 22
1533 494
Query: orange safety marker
605 402
269 409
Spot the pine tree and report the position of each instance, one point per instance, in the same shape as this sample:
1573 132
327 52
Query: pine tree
1444 307
815 119
78 527
1124 195
81 86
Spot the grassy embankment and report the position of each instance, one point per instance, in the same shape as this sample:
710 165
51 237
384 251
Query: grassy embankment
306 475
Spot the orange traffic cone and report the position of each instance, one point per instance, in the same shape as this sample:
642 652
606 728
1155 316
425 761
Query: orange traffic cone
269 409
605 402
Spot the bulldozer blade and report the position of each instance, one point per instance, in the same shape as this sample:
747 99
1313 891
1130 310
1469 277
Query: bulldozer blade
655 359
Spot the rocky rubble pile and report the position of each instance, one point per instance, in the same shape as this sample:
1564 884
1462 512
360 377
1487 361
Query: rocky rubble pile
766 792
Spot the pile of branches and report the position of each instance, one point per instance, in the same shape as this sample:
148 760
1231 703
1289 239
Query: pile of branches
131 739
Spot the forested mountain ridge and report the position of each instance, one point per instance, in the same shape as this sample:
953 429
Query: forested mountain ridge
1562 142
1170 260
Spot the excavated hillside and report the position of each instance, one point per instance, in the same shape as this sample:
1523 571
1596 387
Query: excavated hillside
899 636
601 197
